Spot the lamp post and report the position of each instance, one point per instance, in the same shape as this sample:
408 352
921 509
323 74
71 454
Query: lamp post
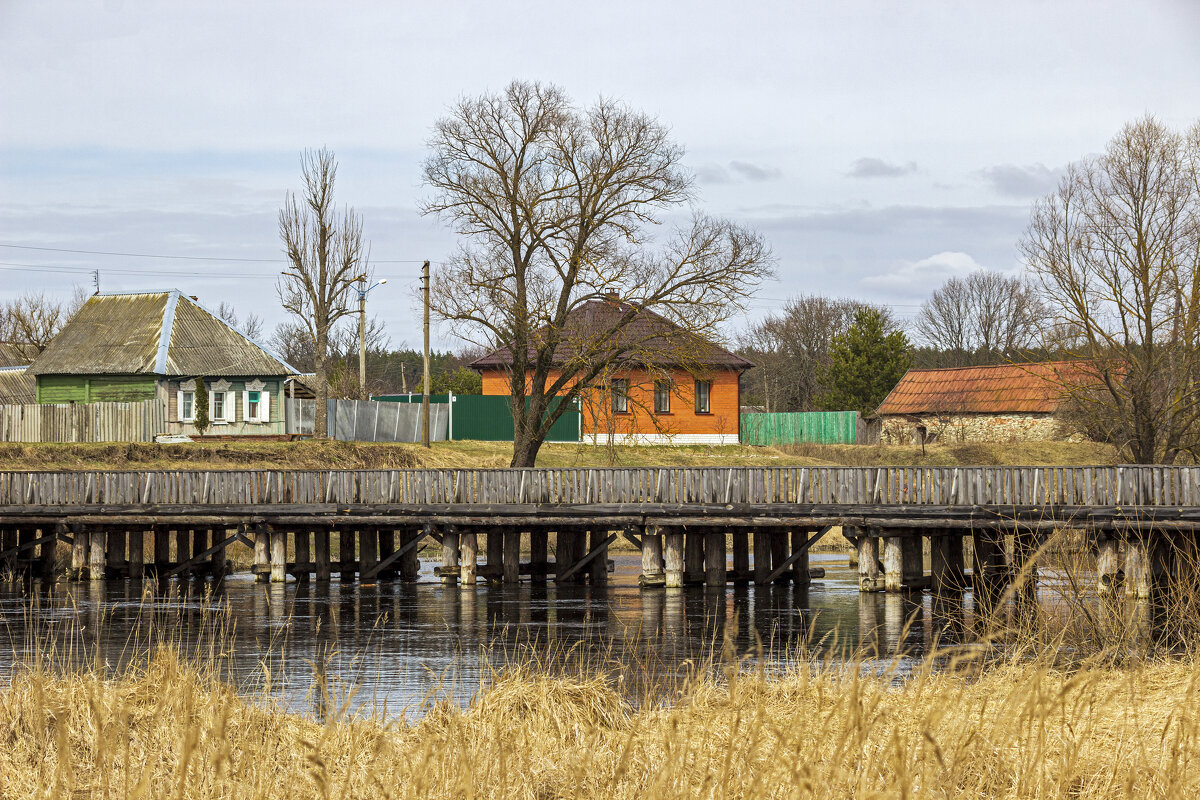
363 290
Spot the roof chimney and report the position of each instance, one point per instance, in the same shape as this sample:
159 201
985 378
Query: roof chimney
611 297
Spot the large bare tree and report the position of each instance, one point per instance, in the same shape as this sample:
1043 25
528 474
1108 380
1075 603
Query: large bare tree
985 318
326 255
557 207
1117 250
29 322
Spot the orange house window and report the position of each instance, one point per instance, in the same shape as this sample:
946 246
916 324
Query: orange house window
703 390
662 397
620 396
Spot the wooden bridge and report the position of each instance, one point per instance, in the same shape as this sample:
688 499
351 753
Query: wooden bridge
368 524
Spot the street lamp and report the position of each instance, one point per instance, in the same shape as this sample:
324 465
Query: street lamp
363 290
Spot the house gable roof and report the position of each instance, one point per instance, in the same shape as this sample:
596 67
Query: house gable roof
153 333
16 386
649 338
1001 389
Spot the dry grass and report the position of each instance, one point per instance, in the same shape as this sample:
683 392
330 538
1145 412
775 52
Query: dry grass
1014 731
352 455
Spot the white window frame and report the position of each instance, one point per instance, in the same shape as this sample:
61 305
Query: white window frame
264 406
212 405
186 396
703 397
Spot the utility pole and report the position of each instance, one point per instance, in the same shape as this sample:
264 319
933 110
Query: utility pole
362 341
425 384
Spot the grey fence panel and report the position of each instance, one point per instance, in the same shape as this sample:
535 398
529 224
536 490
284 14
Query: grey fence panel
83 422
301 415
370 421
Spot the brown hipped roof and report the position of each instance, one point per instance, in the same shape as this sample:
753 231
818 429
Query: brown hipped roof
649 338
1001 389
155 333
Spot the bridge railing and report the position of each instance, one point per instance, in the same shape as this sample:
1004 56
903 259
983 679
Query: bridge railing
937 486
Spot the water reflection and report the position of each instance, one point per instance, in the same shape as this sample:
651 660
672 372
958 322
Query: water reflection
396 647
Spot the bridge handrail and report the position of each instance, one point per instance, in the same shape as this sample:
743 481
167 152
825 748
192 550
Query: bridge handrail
1120 485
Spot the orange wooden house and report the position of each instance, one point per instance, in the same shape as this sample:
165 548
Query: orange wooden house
667 385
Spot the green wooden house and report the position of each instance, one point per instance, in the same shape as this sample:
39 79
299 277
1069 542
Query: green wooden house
156 345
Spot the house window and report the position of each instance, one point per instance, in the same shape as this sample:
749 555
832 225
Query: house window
620 395
703 390
253 403
662 397
217 402
187 406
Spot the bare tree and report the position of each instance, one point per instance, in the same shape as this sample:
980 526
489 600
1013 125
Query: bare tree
326 255
28 323
790 350
555 204
984 318
251 325
1117 251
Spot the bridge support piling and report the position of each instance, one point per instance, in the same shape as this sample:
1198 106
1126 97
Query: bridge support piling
598 568
800 575
741 555
348 562
79 552
262 555
468 547
449 557
368 551
715 559
946 563
219 557
183 550
321 555
494 557
673 557
96 545
387 546
762 556
652 558
199 545
301 541
278 556
162 551
48 557
779 553
989 568
137 556
539 554
693 556
868 562
114 551
1145 565
510 554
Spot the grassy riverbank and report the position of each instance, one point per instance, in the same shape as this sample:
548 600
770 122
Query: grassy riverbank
1010 732
354 455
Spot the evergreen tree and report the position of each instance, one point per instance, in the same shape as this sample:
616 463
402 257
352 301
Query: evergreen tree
866 362
201 422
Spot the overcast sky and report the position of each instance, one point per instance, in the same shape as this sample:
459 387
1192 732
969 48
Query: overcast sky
879 146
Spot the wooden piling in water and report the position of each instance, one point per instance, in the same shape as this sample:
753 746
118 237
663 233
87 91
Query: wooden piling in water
137 556
96 547
1109 575
450 557
368 550
693 555
278 556
183 550
715 558
946 563
762 556
779 553
673 557
468 546
494 557
219 558
539 545
990 569
868 563
323 570
652 558
347 561
79 552
301 540
510 554
114 551
262 555
199 545
387 546
410 562
162 550
800 576
741 555
598 567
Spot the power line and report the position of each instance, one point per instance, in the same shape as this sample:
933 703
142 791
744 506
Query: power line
186 258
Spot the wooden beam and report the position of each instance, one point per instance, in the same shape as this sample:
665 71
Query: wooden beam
581 563
194 560
779 570
395 555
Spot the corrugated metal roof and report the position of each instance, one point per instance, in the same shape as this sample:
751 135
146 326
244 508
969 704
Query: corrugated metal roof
16 386
1005 388
648 338
155 333
13 355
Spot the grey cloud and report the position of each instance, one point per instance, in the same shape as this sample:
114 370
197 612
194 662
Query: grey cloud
1011 180
737 172
878 168
753 172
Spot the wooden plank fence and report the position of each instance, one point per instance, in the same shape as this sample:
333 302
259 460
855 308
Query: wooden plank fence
83 422
1128 486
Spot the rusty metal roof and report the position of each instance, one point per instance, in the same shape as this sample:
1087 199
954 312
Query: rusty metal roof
16 386
154 333
1036 388
647 338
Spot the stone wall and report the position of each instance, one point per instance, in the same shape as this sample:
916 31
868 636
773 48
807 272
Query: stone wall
955 428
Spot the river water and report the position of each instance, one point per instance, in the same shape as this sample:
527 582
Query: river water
395 648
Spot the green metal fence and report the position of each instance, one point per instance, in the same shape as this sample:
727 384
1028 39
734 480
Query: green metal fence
488 417
821 427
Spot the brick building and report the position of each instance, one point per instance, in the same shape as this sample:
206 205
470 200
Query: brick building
664 386
1001 403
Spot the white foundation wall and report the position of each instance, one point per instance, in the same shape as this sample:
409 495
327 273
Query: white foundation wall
951 429
662 439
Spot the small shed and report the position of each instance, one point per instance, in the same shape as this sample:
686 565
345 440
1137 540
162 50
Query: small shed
999 403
